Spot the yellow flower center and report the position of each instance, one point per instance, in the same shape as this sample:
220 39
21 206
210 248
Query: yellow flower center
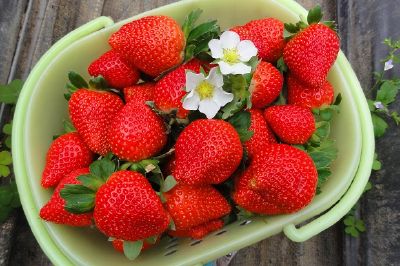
205 90
231 56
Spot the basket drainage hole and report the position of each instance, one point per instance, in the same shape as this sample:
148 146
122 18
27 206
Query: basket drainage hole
170 252
172 245
196 242
245 222
221 232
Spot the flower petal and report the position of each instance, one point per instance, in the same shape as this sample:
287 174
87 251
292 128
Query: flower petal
240 68
191 101
215 78
222 97
209 108
192 80
229 39
215 48
225 68
246 50
388 65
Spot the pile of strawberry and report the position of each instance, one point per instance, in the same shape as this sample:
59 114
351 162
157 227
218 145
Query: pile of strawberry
137 164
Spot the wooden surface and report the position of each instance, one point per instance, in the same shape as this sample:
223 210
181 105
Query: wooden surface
29 27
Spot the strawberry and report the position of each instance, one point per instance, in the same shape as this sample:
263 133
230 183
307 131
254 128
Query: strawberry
291 123
116 71
207 151
126 207
200 231
195 209
262 135
137 132
118 245
142 92
153 44
91 112
310 54
66 154
54 210
266 84
310 97
267 36
169 90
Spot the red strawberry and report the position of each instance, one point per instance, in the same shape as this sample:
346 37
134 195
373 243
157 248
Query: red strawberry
117 72
207 151
91 112
266 85
249 199
66 154
310 54
310 97
267 36
262 135
142 92
192 208
199 231
126 207
291 123
169 90
153 44
54 210
118 245
137 133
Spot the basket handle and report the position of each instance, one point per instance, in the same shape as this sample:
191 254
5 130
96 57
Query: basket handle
341 208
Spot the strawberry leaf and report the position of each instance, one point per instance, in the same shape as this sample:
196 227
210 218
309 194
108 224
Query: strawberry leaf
78 198
190 20
152 240
281 66
171 225
168 184
292 28
91 181
314 15
241 122
238 85
98 83
68 126
9 93
76 80
132 249
102 168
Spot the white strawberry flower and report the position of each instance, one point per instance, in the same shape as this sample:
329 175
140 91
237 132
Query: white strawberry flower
206 93
232 53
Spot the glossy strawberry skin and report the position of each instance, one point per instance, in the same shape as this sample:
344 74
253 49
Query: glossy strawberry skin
191 206
66 154
262 134
285 176
126 207
137 133
310 97
207 151
142 92
91 112
169 90
311 53
200 231
54 211
153 44
266 85
115 70
291 123
267 36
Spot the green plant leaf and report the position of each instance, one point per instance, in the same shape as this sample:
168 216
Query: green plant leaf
9 93
171 225
241 122
4 212
380 125
132 249
281 66
190 21
98 83
387 92
152 239
376 165
5 158
395 117
292 28
360 226
68 126
349 220
371 105
4 171
7 141
102 168
76 80
91 181
314 15
7 129
238 85
78 198
368 186
168 183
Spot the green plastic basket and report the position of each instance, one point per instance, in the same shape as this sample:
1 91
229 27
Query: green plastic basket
41 109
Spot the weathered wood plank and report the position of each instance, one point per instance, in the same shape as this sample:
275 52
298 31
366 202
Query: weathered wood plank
365 24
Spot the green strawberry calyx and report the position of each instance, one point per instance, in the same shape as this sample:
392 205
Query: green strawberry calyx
314 17
80 198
